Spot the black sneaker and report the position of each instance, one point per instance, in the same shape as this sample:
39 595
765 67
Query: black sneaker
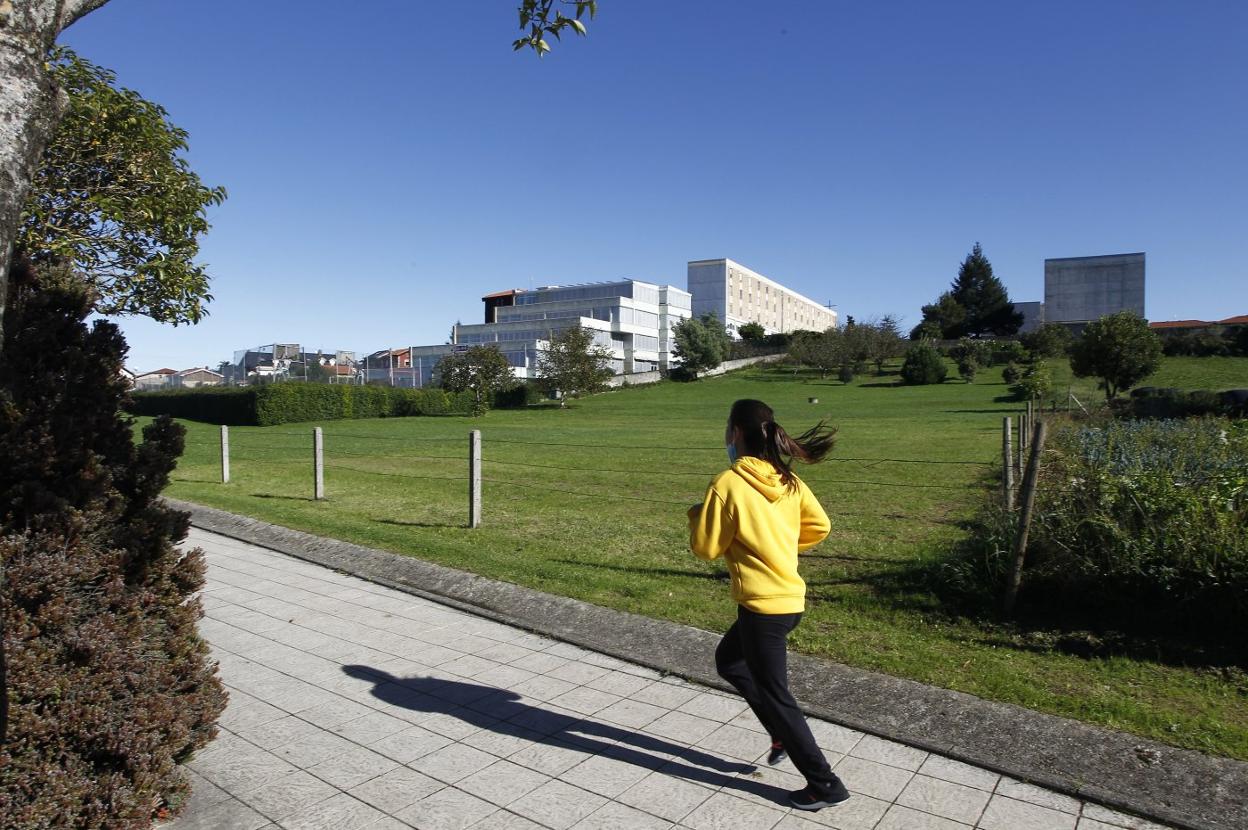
777 754
810 798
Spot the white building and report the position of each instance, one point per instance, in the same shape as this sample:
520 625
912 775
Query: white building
191 378
154 380
631 319
737 295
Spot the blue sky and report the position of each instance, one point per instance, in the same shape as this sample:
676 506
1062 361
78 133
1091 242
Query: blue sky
390 161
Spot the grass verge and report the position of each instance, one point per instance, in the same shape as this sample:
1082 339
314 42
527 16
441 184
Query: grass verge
588 502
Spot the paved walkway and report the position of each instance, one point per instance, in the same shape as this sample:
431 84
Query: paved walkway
356 706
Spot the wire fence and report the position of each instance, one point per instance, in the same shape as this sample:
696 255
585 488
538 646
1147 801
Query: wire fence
366 455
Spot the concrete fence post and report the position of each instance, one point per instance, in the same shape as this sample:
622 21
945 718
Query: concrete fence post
474 478
225 454
1019 450
318 464
1007 462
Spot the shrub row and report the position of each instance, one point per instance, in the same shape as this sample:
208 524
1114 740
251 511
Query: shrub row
284 403
1137 525
1152 402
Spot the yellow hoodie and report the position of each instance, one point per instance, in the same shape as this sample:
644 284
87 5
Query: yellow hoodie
753 520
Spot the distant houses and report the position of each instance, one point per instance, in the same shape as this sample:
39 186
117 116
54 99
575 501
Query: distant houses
154 380
160 379
191 378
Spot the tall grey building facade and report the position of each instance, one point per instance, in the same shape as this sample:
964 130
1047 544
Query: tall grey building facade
1083 289
737 295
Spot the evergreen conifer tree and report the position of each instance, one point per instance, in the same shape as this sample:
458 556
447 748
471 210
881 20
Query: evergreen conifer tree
984 299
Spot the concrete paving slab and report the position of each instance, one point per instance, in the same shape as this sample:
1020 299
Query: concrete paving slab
340 742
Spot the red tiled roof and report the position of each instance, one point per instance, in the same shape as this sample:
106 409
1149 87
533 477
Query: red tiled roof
1179 324
161 372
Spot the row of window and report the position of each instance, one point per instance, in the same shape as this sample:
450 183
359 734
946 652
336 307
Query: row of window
610 314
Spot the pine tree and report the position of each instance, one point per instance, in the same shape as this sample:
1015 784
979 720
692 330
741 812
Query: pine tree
983 298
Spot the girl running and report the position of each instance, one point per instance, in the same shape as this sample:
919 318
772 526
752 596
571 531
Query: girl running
757 515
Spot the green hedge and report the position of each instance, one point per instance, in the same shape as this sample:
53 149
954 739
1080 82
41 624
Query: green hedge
518 396
285 403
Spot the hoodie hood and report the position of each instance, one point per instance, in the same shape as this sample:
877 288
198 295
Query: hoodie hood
762 476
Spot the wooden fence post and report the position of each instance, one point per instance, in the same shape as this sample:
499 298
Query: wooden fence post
1007 463
225 454
1028 498
318 464
474 478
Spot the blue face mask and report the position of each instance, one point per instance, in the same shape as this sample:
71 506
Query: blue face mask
732 453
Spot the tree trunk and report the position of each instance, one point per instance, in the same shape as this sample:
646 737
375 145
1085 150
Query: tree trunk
29 108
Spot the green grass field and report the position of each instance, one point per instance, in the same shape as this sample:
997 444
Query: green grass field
589 502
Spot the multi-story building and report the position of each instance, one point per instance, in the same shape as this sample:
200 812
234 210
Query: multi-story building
1078 290
631 319
737 295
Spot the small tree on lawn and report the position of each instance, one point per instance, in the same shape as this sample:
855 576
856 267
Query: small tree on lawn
1035 382
701 343
886 341
573 364
970 356
923 365
482 370
1118 349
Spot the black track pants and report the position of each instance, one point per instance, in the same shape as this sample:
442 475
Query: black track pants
752 657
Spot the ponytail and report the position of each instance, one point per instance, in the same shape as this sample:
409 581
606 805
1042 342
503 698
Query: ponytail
766 439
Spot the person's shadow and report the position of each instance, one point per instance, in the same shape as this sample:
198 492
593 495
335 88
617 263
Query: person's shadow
501 711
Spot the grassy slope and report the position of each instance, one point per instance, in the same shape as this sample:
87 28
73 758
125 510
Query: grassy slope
603 521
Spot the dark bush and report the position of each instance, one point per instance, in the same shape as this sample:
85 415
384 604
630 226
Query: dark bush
109 684
518 396
923 365
1154 402
846 374
1012 373
294 402
1200 343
